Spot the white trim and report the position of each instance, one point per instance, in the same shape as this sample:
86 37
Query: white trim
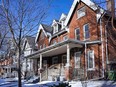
39 29
87 2
93 60
70 12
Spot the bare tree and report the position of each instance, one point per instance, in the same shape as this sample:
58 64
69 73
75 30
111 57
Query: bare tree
22 18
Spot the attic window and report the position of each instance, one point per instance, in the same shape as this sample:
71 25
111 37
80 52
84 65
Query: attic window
55 28
62 24
81 12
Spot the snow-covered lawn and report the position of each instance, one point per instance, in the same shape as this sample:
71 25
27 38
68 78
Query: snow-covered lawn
4 83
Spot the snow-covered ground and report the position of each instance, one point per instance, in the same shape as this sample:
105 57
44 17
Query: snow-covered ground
4 83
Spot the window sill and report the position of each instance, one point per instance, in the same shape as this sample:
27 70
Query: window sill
91 69
78 18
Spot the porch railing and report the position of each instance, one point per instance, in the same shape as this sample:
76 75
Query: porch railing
53 71
45 75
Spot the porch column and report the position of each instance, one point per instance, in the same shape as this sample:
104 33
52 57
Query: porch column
68 67
68 55
40 67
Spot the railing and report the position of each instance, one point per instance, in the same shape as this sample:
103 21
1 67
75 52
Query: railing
55 70
44 75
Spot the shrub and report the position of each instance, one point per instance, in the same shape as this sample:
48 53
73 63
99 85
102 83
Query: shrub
112 75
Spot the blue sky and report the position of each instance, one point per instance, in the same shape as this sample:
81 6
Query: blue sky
57 8
62 6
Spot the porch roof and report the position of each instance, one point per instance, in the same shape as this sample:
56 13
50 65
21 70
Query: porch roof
60 48
57 48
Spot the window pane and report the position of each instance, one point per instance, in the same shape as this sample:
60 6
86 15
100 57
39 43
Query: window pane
77 34
90 59
86 35
86 27
81 12
86 31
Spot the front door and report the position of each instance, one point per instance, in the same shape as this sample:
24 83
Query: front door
78 72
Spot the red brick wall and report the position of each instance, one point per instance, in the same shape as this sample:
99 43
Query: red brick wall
89 18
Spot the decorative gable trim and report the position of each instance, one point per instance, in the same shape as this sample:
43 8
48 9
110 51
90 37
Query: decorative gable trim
38 33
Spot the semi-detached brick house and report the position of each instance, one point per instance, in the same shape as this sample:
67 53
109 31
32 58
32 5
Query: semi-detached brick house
74 47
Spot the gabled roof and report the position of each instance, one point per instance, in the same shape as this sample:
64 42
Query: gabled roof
89 3
63 16
46 29
54 22
31 41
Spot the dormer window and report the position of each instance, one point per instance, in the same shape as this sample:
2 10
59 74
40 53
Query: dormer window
55 28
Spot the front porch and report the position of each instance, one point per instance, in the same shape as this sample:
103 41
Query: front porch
61 61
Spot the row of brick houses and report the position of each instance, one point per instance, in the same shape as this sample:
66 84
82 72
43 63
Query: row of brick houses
77 45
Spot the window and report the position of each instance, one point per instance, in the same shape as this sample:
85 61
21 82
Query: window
65 37
81 12
54 60
77 59
86 31
91 60
64 60
77 34
55 28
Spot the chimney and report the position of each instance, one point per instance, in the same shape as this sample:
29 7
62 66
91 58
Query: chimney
111 6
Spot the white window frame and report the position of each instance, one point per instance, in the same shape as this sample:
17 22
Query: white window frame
75 58
55 26
54 60
81 12
93 68
85 32
62 22
76 33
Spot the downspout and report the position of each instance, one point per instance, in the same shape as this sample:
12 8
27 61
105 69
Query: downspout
107 62
101 32
85 61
